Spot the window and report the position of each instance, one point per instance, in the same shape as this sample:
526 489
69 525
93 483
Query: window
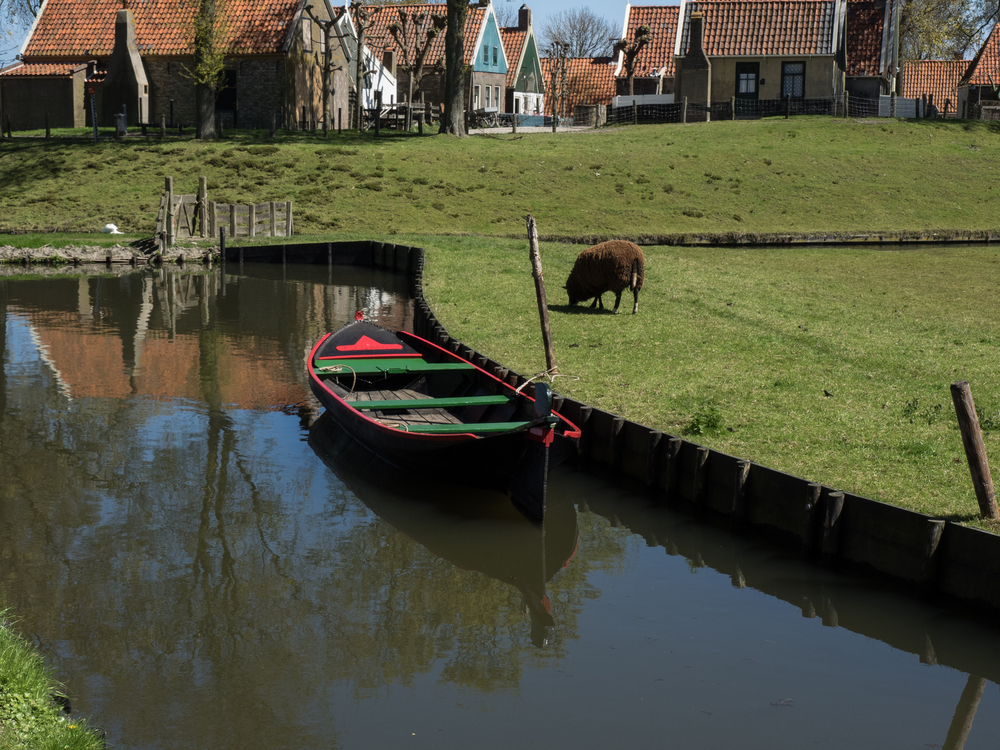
307 35
793 79
487 97
486 55
475 98
747 82
494 56
517 106
496 96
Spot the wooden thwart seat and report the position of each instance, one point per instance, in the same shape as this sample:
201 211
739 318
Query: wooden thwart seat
431 403
461 428
392 366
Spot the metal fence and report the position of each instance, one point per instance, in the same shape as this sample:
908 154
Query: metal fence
753 109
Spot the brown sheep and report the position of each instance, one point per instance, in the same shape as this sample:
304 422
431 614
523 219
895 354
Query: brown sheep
608 267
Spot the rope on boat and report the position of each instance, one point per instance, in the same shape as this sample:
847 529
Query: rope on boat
548 374
339 368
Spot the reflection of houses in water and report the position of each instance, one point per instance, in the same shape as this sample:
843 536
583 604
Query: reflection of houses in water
171 335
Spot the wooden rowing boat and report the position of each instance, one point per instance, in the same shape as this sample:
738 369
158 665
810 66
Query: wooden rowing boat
424 409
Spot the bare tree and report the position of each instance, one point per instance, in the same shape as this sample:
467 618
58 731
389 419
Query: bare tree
506 14
362 20
586 33
631 49
16 17
328 25
414 35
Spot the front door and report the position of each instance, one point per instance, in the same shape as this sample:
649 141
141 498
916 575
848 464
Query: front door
747 76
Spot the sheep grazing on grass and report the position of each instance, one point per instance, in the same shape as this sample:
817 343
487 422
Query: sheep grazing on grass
608 267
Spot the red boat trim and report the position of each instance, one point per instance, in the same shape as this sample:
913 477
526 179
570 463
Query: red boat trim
570 430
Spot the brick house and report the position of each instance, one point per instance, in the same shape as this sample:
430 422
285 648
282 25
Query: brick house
273 63
763 50
525 80
590 82
980 84
484 56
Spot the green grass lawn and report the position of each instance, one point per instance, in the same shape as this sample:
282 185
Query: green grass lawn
802 175
739 348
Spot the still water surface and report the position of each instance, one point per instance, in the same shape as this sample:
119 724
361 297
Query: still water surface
206 566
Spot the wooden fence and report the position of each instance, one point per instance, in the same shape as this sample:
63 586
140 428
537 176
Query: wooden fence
185 217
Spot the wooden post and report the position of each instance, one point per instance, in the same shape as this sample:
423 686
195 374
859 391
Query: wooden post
163 127
168 211
232 220
739 512
288 218
213 218
222 249
732 106
975 450
252 220
274 217
684 110
203 206
543 308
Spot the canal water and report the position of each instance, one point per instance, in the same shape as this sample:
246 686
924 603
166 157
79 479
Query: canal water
205 563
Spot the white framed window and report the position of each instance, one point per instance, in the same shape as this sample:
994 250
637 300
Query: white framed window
486 55
495 57
496 96
487 102
475 97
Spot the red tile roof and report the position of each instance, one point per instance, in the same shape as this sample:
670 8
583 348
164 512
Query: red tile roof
985 64
383 16
934 77
512 39
86 28
767 27
589 80
865 30
659 53
49 70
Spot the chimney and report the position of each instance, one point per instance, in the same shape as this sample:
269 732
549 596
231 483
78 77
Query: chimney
696 57
523 18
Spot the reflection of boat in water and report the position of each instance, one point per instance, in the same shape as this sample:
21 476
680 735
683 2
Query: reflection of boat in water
488 535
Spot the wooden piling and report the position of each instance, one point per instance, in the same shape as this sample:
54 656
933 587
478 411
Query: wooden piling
975 449
543 308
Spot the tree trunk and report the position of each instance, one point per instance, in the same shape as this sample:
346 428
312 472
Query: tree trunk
206 111
453 121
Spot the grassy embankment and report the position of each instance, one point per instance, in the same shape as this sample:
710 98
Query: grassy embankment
737 348
29 714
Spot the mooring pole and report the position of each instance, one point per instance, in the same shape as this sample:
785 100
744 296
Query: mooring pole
543 308
975 449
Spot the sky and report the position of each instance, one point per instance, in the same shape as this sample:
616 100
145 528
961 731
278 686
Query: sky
612 10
